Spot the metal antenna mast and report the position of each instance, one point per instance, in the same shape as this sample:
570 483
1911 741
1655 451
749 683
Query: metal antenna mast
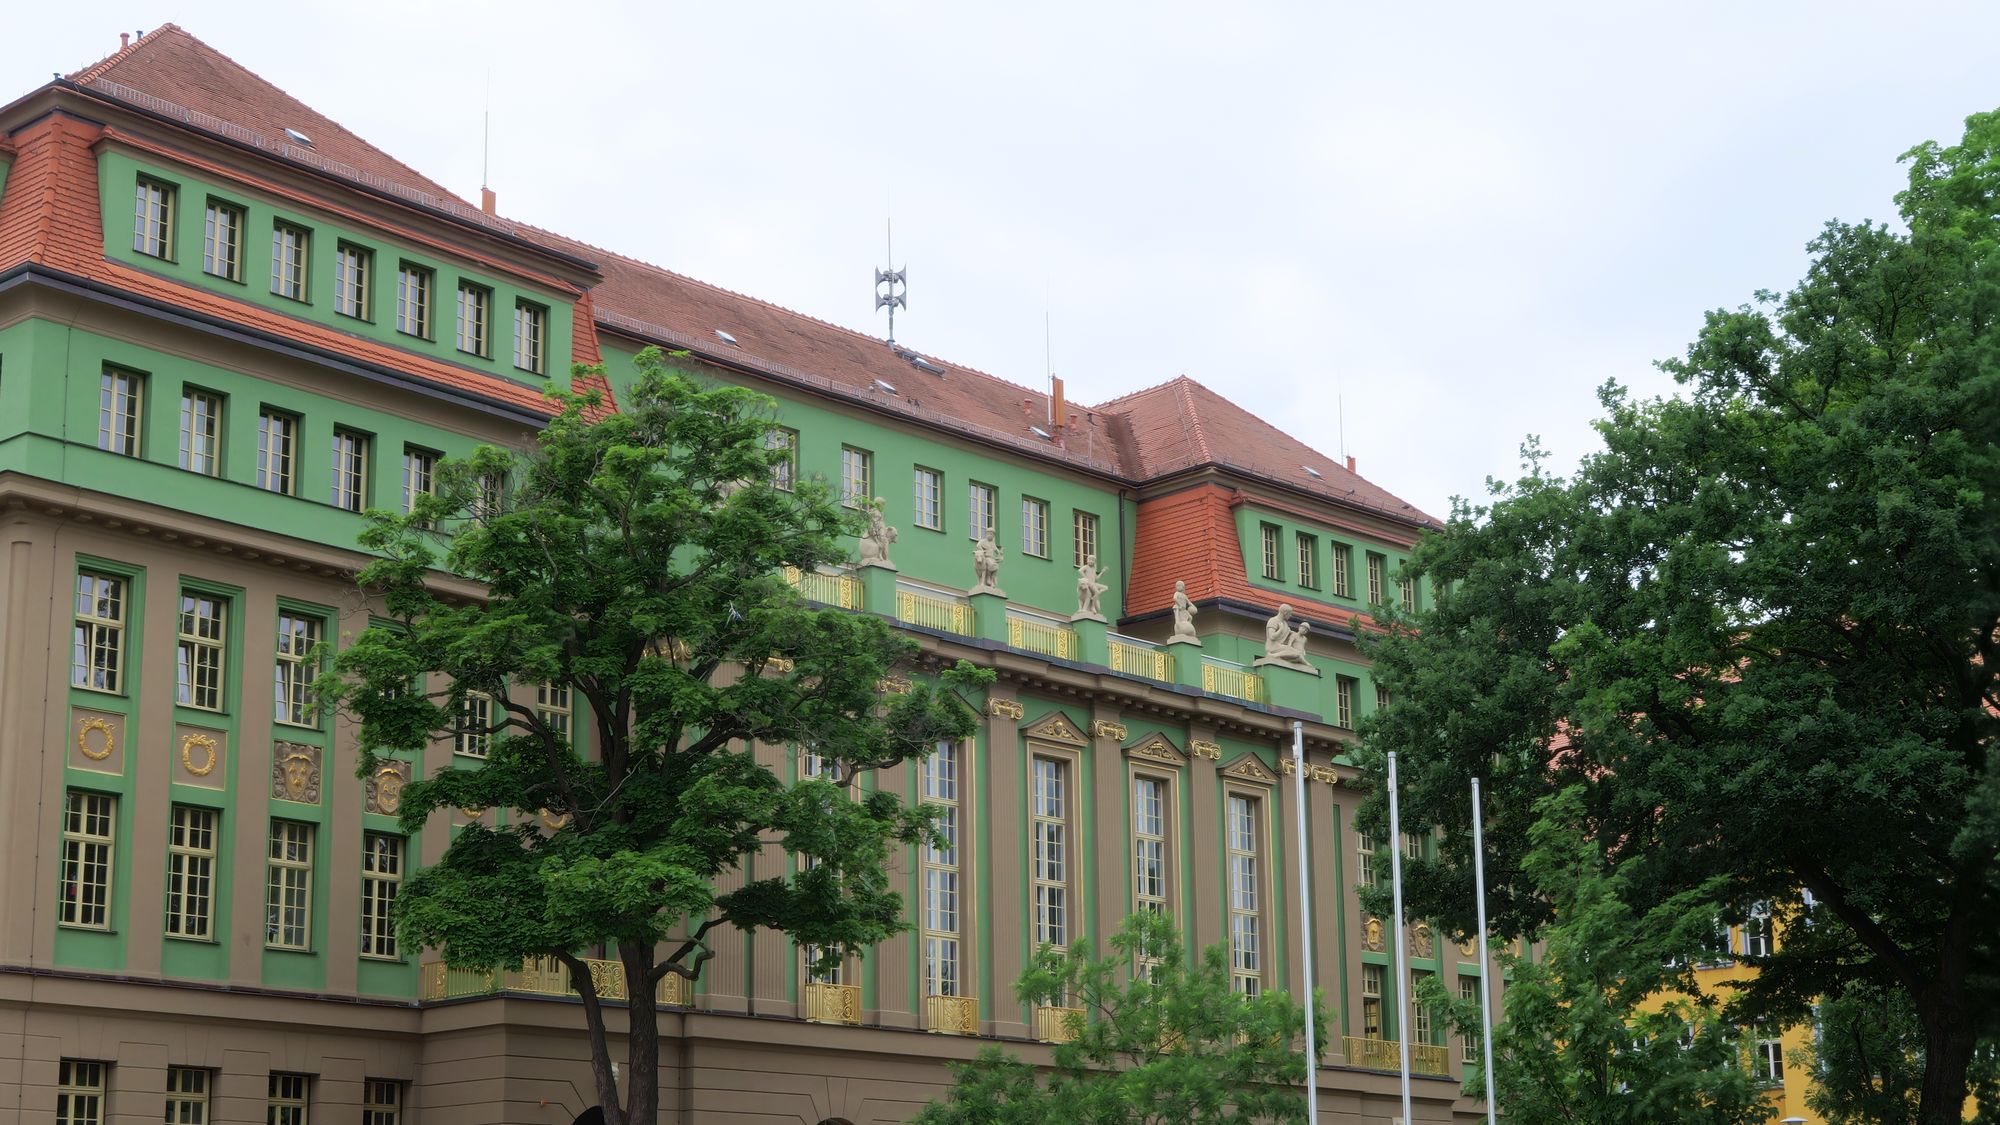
887 295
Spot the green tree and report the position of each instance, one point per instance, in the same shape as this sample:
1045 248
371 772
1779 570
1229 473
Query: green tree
1868 1055
1765 621
638 565
1171 1043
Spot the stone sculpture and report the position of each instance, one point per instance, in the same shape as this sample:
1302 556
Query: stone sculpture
1183 617
1285 643
986 559
1088 591
876 539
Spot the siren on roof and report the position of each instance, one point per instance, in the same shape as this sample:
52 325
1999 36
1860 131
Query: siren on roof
297 137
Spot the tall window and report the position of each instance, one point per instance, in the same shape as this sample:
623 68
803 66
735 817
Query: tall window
492 499
382 1102
88 823
120 399
80 1093
1767 1061
1469 1046
1423 1022
1366 846
198 665
824 768
1408 590
290 246
222 242
153 230
1308 552
353 280
1372 977
1083 527
785 467
943 968
201 432
419 475
1050 816
187 1096
288 886
287 1099
470 733
1757 931
531 330
1342 563
1246 949
98 657
350 470
857 476
1381 697
930 498
475 315
295 669
381 881
413 300
554 707
1376 565
982 506
1035 527
277 452
191 871
1413 846
1343 702
1149 843
1272 567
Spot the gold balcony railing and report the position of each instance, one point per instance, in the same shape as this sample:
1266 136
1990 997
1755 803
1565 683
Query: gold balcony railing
539 976
842 590
1045 637
1136 658
1386 1054
1223 679
1053 1024
945 614
831 1003
952 1015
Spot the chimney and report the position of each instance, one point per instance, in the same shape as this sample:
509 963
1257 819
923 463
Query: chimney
1028 407
488 201
1350 464
124 40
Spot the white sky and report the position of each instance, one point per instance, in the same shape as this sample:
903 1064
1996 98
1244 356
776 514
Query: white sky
1455 218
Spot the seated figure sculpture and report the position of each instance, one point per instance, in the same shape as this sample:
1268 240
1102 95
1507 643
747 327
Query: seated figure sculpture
1285 643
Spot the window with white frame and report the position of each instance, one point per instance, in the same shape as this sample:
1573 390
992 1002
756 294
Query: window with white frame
1408 591
1757 931
222 241
350 470
943 775
929 498
187 1096
1343 702
982 507
475 319
784 467
199 657
471 728
381 882
1049 817
413 300
1151 881
120 402
1423 1021
80 1092
191 871
288 886
1469 1046
1767 1059
531 343
1083 529
419 475
153 226
1308 552
89 824
1035 527
554 706
857 476
382 1102
1272 568
1372 978
201 432
1366 846
296 669
277 452
353 280
1246 920
1341 562
97 661
290 247
286 1100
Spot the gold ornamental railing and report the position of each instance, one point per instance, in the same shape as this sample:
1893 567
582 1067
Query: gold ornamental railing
1053 1024
1045 637
539 976
1386 1054
946 615
842 590
1135 658
952 1015
831 1003
1222 679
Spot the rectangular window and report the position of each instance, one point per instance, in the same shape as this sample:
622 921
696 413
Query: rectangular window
554 708
191 871
1372 977
982 506
1768 1062
857 476
295 669
187 1096
1423 1025
277 452
381 881
475 314
943 772
1308 551
1150 882
1469 1046
1035 527
1381 697
1757 931
413 300
288 886
784 466
120 398
198 663
1408 589
353 280
1376 565
419 475
492 499
1342 564
1050 818
470 729
1366 846
350 470
201 432
287 1099
930 498
382 1102
1272 568
1246 957
88 822
80 1093
1413 846
290 246
1343 702
222 242
531 330
153 228
98 657
1083 528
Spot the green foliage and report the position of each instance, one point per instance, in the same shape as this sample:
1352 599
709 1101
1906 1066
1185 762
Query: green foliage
638 564
1868 1055
1173 1044
1765 621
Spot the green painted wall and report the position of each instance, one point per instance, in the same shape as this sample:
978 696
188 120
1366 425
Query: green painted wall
199 958
1249 523
117 178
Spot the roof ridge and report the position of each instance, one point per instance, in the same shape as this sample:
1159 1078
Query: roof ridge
97 69
1111 402
1193 418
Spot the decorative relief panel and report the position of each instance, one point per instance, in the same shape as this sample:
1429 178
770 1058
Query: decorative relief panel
1371 935
1158 748
295 772
892 685
385 787
1468 948
1006 709
1248 768
1422 942
1056 727
555 821
1326 774
201 757
1201 748
97 741
1105 728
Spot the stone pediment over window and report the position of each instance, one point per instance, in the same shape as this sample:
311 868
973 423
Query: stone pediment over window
1248 768
1055 727
1157 748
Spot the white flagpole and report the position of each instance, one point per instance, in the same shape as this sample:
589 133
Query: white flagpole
1402 951
1485 967
1305 919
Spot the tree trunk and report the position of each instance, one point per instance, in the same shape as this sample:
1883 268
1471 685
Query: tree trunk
600 1048
642 1081
1948 1047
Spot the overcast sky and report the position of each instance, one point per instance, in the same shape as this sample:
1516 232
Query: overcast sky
1454 219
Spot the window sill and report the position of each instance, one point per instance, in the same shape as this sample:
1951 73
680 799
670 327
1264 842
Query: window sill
269 948
184 940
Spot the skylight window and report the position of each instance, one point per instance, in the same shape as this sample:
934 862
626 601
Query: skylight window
886 388
297 137
727 338
1041 433
1313 473
922 364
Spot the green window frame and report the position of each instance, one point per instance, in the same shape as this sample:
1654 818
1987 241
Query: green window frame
291 258
153 220
353 280
222 241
